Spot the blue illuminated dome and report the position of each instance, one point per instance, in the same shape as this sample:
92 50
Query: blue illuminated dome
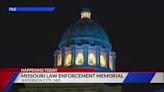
85 44
85 31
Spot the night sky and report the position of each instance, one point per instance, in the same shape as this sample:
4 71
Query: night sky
135 30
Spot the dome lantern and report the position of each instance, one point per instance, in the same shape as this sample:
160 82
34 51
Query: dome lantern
85 13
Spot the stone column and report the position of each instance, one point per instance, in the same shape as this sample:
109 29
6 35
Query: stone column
107 58
63 56
97 56
85 47
55 59
114 60
73 48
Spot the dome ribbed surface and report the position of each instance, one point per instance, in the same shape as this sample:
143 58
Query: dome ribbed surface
85 31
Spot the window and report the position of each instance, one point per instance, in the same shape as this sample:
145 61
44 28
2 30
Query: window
86 15
68 58
79 59
91 59
103 60
111 63
59 60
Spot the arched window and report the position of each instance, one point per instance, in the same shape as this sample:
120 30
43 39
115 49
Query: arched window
91 59
68 58
103 60
110 62
59 59
79 59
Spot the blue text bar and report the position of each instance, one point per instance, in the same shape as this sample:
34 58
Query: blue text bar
32 9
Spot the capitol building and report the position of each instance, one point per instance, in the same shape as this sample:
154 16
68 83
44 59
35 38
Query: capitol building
85 44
